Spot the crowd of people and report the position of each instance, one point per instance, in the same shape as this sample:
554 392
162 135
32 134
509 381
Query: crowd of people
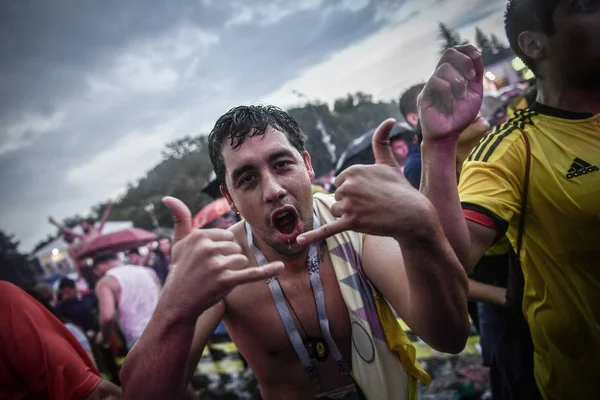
491 221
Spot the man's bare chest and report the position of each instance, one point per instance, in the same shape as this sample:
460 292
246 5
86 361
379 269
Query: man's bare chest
255 324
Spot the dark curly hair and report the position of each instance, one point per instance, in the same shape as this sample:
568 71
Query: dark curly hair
528 15
243 122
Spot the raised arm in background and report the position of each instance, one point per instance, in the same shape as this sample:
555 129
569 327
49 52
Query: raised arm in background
105 216
64 230
449 103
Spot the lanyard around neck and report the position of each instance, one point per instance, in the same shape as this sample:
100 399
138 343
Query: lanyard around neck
284 312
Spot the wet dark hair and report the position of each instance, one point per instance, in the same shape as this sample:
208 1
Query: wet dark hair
528 15
104 258
66 283
243 122
408 100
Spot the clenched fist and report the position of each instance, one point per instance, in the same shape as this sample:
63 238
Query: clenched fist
452 97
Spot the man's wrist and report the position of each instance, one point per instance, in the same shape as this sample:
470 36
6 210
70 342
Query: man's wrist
446 146
423 227
173 312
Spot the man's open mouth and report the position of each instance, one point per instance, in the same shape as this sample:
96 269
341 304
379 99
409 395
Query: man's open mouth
284 220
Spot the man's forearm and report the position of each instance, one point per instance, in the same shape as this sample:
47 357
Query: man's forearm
105 216
439 185
106 327
438 289
155 367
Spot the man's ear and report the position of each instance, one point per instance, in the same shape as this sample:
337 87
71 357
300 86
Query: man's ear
226 194
308 163
534 45
412 119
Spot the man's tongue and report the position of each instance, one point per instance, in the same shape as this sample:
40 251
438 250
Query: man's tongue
285 223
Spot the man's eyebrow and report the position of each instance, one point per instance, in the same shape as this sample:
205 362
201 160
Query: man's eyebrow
240 171
279 154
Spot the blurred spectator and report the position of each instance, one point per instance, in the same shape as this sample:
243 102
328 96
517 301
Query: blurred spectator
77 308
89 233
40 358
408 109
223 222
127 293
401 146
160 259
135 258
408 104
87 226
45 294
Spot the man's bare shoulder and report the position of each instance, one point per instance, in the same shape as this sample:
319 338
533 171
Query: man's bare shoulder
107 282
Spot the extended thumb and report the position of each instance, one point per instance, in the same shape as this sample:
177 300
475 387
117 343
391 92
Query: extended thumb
382 148
182 217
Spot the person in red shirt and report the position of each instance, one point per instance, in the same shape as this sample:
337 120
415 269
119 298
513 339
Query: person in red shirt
40 358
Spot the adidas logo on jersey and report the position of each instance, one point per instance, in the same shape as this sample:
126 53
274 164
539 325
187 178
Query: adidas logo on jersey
580 167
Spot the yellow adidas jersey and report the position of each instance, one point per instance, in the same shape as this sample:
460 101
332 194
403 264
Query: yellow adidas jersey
561 244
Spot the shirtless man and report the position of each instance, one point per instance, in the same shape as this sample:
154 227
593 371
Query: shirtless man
87 226
127 295
259 156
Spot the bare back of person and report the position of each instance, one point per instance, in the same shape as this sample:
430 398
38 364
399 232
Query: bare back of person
256 328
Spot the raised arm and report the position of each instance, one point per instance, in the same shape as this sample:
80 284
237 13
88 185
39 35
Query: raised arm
424 282
449 103
105 215
64 230
107 305
207 264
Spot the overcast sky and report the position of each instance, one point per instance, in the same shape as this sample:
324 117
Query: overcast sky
91 91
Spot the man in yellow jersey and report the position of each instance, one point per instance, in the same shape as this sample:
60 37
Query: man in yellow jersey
560 249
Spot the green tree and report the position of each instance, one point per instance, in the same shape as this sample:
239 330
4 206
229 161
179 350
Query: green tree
344 104
483 43
497 45
186 166
13 265
182 147
449 37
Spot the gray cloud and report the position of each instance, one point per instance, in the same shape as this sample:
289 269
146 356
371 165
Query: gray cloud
88 88
91 91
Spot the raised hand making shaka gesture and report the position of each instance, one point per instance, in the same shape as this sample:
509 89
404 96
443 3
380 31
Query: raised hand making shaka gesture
373 199
207 264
